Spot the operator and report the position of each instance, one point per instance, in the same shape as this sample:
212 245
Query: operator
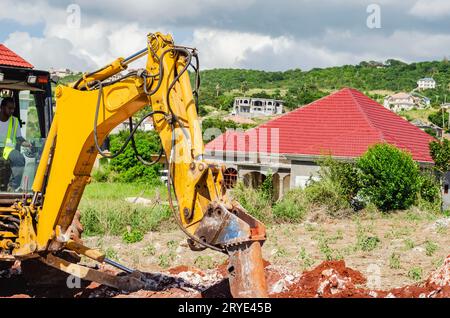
12 162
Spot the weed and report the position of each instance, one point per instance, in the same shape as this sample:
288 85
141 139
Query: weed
280 252
397 232
364 241
413 216
394 261
165 260
309 227
339 235
255 201
205 262
430 248
438 262
409 244
441 229
132 236
415 274
292 207
111 254
149 250
171 244
329 253
305 258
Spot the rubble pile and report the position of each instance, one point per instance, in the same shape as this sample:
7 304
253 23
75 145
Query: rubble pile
329 279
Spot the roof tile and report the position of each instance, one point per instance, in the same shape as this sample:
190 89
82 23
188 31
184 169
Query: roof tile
344 124
9 58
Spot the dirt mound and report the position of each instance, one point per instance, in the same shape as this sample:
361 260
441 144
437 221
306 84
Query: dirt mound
329 279
335 280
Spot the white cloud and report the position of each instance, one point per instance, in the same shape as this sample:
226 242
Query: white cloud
234 33
44 53
28 13
224 49
431 9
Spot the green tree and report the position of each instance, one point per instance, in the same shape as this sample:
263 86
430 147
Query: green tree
389 177
244 87
128 167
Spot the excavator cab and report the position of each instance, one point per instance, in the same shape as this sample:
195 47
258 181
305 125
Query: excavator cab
30 92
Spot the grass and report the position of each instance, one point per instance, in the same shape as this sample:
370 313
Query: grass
409 244
165 260
111 254
324 242
415 274
132 236
149 250
205 262
365 240
281 253
430 248
421 114
394 261
104 210
307 261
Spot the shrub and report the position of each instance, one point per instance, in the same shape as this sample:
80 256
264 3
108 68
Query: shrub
337 186
132 236
266 188
343 173
327 192
429 187
389 177
254 201
292 207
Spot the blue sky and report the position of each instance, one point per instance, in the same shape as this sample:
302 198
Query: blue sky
257 34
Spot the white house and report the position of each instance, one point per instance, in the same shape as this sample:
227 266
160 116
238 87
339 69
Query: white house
147 125
426 83
253 107
403 101
63 72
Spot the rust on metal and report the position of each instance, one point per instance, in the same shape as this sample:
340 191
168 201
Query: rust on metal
246 271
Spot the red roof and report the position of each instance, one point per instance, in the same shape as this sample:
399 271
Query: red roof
9 58
342 124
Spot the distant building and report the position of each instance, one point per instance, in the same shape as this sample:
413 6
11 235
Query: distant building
426 83
403 101
147 125
428 127
253 107
62 72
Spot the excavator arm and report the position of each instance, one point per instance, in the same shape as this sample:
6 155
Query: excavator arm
88 111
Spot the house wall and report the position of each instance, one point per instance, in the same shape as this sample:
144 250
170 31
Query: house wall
301 171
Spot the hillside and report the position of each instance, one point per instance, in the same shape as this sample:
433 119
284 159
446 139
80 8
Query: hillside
298 87
219 87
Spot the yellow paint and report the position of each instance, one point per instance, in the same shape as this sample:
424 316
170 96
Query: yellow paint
70 146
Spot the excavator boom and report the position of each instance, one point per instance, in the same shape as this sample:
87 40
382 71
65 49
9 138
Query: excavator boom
85 115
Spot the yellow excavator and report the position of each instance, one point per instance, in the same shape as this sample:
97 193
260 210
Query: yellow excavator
43 223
